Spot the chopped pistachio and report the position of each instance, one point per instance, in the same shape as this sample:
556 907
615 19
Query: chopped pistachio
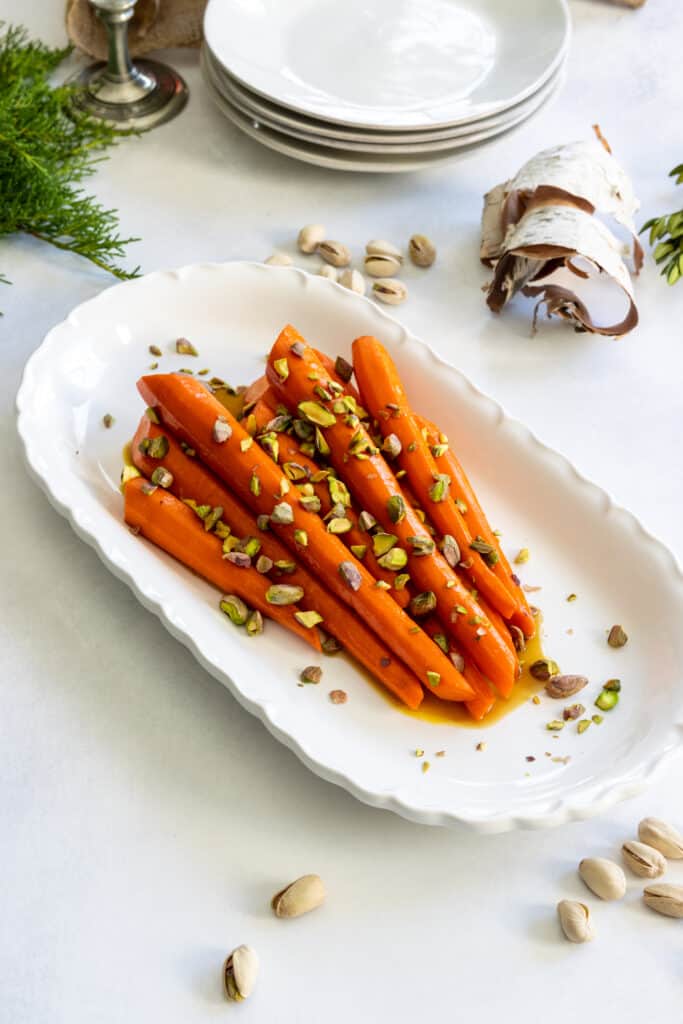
411 447
250 546
108 420
401 581
148 488
433 678
535 699
438 450
439 489
597 719
338 696
154 350
450 550
310 502
239 558
458 660
425 766
307 448
366 521
155 447
382 585
555 725
308 619
392 446
311 674
422 545
264 564
162 477
419 752
522 556
153 366
281 367
613 684
297 348
320 442
203 373
185 369
303 430
294 471
285 565
322 393
461 506
221 430
234 608
284 593
255 485
358 550
573 712
185 348
339 524
571 597
128 473
617 636
583 725
487 551
350 574
543 669
331 645
339 493
254 624
396 508
270 444
607 700
282 513
301 538
229 544
316 413
423 604
383 542
263 522
441 640
460 609
394 559
481 746
212 518
190 452
284 486
246 443
343 369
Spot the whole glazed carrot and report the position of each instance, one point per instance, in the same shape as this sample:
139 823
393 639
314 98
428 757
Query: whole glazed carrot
484 699
291 366
478 524
384 396
196 417
291 456
191 480
173 526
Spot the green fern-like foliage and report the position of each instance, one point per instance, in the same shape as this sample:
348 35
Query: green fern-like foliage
45 154
667 232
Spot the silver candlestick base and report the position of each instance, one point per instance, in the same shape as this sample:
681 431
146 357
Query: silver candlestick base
130 96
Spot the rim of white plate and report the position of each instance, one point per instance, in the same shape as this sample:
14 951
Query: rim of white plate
592 800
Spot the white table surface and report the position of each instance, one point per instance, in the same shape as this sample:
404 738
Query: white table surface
145 819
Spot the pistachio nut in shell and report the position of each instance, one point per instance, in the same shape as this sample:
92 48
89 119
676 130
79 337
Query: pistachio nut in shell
643 860
380 247
422 251
353 280
299 897
239 973
377 265
334 252
561 686
665 899
310 237
603 877
662 836
390 291
576 921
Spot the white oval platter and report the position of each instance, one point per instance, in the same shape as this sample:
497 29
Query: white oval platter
88 365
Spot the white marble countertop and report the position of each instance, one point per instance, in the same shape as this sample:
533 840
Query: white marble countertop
145 818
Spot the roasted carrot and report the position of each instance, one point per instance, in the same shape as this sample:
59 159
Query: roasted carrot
383 394
192 413
462 490
191 480
355 457
173 526
294 462
484 699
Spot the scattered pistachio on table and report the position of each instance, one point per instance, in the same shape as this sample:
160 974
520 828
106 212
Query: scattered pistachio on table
339 696
380 247
603 877
662 837
643 860
239 973
377 265
310 237
543 669
353 280
279 259
617 636
108 420
422 251
665 899
328 271
311 674
389 290
334 252
562 686
185 348
575 920
299 897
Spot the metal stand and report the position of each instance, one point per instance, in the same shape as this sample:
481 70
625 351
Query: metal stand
138 96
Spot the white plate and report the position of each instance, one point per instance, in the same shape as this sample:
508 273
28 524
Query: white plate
327 156
477 132
390 63
581 542
289 121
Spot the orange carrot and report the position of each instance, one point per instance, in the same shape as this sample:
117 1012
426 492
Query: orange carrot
477 522
355 458
383 394
173 526
192 480
484 699
192 413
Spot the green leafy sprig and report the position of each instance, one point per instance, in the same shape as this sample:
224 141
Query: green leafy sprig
45 153
667 232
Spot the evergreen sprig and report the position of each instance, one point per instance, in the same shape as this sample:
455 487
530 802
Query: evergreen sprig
669 229
46 153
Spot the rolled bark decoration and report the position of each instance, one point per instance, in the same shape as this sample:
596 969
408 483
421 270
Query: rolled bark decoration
580 174
547 238
155 25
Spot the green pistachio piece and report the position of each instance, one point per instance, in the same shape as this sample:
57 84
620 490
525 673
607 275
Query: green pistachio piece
264 564
221 529
394 559
439 489
339 524
322 393
255 485
433 678
396 508
250 546
282 513
422 545
155 447
303 430
366 521
617 637
613 684
438 450
441 640
382 585
583 725
285 565
294 471
234 608
607 700
154 350
254 623
213 517
401 581
281 367
423 604
270 444
316 413
383 542
359 550
339 494
343 369
450 550
185 348
543 669
555 726
301 538
308 619
284 593
311 674
128 473
310 502
320 442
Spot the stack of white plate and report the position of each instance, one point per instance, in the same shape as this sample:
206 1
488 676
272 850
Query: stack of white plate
382 85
